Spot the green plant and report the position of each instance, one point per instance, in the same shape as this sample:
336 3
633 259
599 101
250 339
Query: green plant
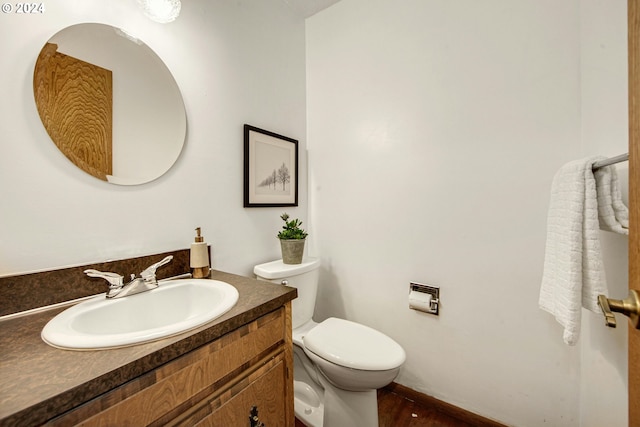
291 229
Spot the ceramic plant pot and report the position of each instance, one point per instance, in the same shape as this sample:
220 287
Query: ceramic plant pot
292 250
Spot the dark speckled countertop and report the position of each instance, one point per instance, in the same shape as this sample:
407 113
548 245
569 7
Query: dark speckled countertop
38 382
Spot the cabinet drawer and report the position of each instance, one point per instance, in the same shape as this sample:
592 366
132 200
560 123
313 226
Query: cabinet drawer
178 385
264 393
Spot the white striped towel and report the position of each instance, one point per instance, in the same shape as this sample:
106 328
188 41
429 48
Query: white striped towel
612 212
573 272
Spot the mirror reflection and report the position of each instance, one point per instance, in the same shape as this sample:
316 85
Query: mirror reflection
109 104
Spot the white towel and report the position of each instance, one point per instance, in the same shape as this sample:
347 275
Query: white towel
612 212
573 272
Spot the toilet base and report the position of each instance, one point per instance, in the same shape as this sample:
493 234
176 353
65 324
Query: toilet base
307 392
317 403
343 408
307 404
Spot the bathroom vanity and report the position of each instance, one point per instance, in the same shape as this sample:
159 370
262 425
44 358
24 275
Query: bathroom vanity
235 367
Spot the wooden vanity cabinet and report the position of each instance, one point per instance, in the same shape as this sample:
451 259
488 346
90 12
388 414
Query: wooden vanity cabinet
218 384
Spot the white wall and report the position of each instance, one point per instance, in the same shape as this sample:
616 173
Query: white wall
434 131
235 62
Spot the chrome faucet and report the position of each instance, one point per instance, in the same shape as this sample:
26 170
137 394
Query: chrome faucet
117 287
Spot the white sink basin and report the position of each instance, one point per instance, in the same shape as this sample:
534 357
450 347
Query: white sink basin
173 307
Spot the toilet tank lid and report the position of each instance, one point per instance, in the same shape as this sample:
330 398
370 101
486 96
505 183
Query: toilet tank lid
279 270
354 345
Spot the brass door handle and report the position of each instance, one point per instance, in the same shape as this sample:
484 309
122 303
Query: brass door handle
630 307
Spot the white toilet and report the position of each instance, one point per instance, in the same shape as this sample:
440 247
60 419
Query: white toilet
338 364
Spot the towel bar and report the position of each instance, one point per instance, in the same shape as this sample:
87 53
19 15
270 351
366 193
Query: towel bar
610 161
630 307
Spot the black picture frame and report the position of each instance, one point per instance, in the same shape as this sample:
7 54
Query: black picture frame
270 169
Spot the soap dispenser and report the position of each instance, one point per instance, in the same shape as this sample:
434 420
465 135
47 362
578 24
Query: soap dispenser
199 257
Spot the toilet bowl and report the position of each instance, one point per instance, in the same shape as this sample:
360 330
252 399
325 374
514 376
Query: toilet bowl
338 364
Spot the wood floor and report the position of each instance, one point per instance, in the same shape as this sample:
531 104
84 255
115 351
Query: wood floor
397 411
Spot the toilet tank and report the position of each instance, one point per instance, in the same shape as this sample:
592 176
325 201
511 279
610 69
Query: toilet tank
303 277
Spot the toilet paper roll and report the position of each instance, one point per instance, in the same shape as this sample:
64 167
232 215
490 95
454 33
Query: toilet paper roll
420 301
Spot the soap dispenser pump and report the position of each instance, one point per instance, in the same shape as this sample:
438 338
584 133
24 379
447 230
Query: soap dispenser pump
199 257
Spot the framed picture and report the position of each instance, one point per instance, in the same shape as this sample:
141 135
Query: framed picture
270 169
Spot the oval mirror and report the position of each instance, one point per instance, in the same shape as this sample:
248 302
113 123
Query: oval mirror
109 104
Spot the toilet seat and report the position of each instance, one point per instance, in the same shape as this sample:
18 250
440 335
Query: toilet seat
353 345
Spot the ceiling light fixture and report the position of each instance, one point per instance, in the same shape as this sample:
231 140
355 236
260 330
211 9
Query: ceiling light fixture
162 11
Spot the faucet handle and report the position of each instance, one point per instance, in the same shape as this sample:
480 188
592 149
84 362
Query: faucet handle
114 279
149 273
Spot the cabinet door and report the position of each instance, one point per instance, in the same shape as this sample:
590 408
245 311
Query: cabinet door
266 393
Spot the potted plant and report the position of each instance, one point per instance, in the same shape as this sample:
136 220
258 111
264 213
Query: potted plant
292 239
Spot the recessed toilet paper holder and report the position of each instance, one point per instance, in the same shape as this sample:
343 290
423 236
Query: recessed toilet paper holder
424 298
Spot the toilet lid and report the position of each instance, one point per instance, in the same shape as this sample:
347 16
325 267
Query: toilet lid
353 345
